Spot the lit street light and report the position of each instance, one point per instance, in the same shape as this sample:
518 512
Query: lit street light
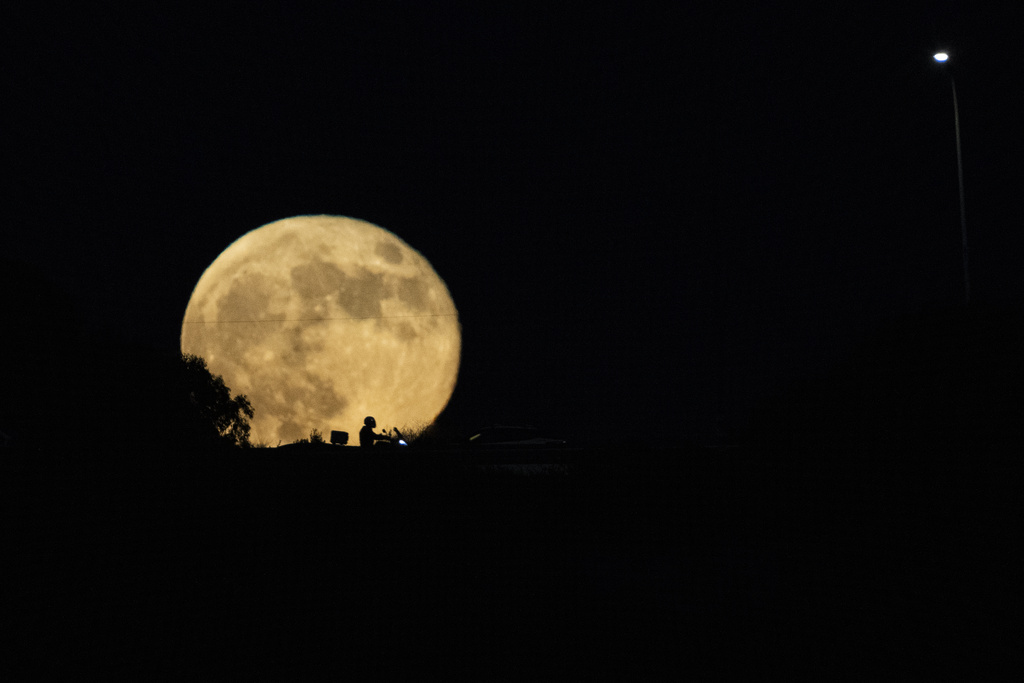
943 58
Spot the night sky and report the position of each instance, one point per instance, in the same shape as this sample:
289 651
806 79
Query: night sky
650 220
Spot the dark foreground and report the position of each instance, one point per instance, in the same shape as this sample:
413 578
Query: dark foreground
651 564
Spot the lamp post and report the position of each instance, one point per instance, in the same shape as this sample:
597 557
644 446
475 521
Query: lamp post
943 58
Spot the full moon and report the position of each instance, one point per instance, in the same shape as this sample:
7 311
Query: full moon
323 320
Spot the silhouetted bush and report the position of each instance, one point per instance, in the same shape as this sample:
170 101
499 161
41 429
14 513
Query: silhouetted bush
315 437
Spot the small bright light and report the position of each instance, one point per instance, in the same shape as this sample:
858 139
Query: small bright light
941 56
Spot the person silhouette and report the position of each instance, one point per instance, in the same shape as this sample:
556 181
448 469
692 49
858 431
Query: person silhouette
367 435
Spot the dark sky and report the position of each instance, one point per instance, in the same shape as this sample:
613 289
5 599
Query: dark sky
647 218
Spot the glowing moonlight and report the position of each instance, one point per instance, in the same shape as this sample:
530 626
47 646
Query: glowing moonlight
323 320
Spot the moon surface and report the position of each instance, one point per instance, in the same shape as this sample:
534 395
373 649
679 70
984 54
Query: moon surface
323 320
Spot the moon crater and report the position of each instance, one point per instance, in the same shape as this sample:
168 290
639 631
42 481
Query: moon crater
389 251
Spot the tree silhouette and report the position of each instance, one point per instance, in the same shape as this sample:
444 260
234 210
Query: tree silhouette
213 404
61 386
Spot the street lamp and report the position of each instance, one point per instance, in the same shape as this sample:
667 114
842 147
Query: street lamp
943 58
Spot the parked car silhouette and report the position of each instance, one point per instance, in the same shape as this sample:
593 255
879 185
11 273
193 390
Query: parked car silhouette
507 436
